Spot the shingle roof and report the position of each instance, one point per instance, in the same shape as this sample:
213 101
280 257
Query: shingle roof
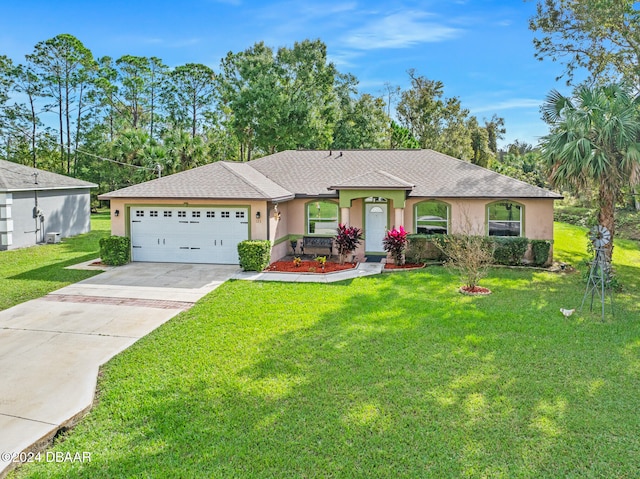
433 174
374 179
222 180
17 177
312 173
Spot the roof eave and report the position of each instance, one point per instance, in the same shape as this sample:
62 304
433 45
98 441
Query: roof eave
47 188
109 197
387 188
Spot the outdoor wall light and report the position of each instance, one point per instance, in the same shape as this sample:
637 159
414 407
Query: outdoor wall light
116 212
257 215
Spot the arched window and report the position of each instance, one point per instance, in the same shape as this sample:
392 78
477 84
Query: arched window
505 219
322 218
431 217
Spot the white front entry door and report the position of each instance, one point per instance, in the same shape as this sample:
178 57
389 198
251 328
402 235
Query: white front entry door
375 227
171 234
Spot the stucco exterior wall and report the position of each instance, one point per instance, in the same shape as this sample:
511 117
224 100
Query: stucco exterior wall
471 215
67 212
289 218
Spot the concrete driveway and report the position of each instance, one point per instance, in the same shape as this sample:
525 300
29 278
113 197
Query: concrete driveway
51 348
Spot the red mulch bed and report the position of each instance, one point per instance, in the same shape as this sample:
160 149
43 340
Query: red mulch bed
475 291
404 266
308 267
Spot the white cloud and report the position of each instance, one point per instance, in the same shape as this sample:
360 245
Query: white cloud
508 104
314 11
343 58
400 30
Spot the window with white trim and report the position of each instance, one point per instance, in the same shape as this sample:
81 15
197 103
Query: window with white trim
504 219
431 217
322 218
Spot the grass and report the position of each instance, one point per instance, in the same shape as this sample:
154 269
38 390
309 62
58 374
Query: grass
390 376
30 273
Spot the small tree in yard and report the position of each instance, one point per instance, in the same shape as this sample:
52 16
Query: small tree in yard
395 242
471 255
347 240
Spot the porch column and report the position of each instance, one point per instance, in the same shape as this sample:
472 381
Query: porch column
399 217
344 215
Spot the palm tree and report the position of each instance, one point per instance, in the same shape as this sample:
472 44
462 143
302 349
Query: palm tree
594 140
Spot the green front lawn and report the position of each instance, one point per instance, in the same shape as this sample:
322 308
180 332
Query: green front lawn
30 273
390 376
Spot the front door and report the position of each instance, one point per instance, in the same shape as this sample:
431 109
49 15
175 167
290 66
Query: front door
375 227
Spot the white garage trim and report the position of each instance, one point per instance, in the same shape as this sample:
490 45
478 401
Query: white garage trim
187 234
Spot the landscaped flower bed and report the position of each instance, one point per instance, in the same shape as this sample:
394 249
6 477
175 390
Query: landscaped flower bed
308 266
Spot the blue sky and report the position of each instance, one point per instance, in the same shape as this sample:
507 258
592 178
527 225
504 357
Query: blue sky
480 49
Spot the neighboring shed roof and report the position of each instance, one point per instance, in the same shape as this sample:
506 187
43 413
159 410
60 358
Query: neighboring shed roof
17 177
222 180
281 176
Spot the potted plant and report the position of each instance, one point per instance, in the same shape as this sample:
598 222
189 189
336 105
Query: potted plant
395 243
347 240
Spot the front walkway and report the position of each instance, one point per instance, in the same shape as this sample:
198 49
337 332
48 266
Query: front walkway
363 269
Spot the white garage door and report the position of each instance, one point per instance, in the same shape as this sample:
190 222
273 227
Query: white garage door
188 234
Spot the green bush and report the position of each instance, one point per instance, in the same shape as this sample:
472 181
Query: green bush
254 254
115 250
509 250
540 250
424 248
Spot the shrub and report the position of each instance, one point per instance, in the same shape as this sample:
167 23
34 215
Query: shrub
540 250
347 240
254 254
115 250
421 248
471 255
395 243
509 250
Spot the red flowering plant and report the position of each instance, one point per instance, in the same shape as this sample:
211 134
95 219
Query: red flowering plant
395 243
347 240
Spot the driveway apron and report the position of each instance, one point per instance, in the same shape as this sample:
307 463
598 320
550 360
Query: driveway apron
51 348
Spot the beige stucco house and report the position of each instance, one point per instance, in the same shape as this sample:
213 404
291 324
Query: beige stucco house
200 215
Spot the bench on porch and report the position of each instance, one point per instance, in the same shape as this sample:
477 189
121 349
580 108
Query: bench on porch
317 242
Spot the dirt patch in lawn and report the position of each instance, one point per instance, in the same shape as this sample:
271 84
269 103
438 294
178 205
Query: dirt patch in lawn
308 266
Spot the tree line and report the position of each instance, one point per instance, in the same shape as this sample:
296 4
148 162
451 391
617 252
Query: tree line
593 143
121 121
